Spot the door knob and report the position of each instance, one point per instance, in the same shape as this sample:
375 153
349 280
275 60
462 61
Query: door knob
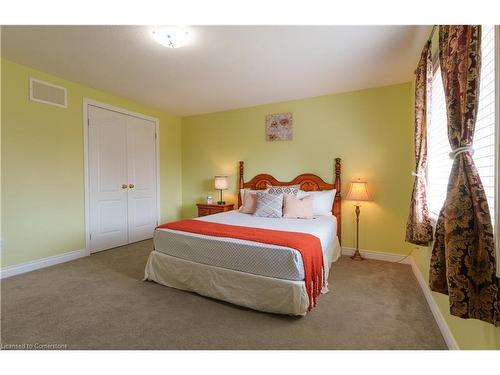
124 186
131 186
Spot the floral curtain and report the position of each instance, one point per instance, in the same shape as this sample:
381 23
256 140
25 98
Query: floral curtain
418 227
463 256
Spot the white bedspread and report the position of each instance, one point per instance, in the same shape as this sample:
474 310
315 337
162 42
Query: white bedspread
248 256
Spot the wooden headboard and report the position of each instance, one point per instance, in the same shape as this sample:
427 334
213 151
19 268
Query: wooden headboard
307 182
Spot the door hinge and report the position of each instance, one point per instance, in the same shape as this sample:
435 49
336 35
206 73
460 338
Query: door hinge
88 122
91 236
156 136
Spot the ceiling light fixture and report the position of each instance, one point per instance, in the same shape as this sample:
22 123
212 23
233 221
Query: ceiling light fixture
172 36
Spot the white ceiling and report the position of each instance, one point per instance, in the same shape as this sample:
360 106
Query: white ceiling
224 67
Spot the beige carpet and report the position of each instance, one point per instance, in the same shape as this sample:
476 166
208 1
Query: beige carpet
100 302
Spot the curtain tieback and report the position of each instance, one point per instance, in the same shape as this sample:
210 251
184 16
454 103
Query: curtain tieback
419 175
461 150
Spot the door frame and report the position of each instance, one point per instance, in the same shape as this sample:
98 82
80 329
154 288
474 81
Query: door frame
85 127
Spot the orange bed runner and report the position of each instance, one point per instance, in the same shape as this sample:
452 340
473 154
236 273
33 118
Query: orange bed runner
308 245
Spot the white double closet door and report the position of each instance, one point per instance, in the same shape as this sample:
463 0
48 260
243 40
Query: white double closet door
122 178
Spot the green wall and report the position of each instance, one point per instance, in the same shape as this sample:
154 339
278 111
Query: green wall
42 166
371 130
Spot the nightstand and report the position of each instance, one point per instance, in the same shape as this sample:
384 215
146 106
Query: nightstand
210 209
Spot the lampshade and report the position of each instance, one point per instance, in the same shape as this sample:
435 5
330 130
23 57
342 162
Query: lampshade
358 191
221 183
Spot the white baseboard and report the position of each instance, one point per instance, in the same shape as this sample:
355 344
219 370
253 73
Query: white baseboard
18 269
438 316
378 255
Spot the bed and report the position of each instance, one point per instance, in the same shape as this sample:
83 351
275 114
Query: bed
256 275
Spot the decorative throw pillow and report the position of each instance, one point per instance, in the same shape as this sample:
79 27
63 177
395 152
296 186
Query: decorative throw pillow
249 201
291 189
298 208
322 200
243 191
269 205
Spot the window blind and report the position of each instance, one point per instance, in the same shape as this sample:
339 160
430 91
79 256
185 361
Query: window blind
484 136
439 165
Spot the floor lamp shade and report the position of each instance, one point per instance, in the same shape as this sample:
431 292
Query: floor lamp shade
358 191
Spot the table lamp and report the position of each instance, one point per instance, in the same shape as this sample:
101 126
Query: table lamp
221 183
358 191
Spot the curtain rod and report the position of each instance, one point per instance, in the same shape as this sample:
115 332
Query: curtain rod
432 33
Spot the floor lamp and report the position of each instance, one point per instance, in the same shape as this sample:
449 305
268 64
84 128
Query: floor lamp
358 191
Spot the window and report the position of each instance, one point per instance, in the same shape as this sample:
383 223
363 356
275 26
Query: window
485 133
439 166
486 137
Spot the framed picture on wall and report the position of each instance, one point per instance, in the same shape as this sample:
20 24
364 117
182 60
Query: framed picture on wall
279 127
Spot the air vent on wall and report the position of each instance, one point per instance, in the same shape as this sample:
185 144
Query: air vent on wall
44 92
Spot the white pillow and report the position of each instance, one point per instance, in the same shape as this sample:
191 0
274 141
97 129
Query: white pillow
322 200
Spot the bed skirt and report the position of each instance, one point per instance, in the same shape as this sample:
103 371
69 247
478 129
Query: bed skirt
253 291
